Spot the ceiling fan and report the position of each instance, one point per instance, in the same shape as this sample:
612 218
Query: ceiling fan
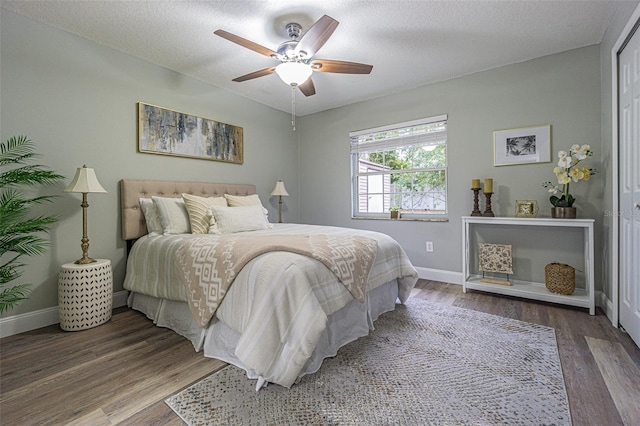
296 65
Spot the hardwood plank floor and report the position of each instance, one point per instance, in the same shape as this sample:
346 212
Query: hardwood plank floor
120 373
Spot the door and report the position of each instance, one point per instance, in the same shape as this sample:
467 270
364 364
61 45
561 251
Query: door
629 185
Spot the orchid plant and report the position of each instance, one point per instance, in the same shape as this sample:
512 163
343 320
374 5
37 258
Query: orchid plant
568 171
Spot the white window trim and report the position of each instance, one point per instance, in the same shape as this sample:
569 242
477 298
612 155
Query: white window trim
355 174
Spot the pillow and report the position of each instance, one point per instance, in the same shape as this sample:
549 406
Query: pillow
173 215
243 200
239 219
151 216
247 200
197 208
213 225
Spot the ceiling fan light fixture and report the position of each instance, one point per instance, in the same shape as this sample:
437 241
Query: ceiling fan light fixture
294 73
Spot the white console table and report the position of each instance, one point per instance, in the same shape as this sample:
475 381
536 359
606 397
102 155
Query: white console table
582 297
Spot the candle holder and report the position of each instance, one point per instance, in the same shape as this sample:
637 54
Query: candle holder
476 207
487 211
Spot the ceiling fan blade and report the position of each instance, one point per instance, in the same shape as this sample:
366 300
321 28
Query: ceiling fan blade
343 67
255 74
317 35
307 88
246 43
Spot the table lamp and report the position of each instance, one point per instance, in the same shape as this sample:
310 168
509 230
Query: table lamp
84 181
280 191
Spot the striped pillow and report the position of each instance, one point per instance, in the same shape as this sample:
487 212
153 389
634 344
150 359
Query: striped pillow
197 208
243 200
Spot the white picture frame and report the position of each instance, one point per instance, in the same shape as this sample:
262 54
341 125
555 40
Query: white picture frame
525 145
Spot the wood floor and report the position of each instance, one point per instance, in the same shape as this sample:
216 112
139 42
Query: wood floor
120 373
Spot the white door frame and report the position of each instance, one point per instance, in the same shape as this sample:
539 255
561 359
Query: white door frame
615 247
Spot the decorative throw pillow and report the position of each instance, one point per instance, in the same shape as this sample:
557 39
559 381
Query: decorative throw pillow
243 200
173 215
197 208
213 225
247 200
151 217
239 219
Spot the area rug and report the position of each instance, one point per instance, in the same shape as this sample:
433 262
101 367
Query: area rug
425 363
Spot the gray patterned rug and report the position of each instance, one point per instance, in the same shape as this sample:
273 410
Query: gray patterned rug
424 363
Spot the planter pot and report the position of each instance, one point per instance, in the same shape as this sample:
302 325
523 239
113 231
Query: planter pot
395 214
563 212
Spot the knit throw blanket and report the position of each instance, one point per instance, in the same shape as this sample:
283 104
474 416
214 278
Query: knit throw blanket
207 266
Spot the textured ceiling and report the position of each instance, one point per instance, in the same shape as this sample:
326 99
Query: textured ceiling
409 43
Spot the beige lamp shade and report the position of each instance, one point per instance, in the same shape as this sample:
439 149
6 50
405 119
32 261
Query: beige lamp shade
279 189
85 181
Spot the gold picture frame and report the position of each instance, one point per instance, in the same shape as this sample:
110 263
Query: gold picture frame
526 208
167 132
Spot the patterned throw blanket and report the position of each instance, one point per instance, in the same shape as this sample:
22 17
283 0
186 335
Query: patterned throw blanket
207 266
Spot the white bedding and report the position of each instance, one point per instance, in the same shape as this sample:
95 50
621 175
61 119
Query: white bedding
279 305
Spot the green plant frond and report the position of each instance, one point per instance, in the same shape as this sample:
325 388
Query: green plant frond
10 272
9 297
18 231
29 175
16 150
30 245
12 200
28 226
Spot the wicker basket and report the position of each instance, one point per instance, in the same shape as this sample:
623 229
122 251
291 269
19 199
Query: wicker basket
560 278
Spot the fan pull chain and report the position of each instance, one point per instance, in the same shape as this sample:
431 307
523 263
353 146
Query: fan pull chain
293 107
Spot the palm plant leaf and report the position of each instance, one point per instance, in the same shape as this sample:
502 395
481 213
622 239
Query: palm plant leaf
9 297
28 175
18 231
16 150
9 271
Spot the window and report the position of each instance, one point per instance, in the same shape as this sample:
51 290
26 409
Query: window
401 165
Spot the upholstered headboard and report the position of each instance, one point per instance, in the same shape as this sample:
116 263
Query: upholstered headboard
133 223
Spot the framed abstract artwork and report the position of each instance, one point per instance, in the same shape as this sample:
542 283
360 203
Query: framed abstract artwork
522 146
167 132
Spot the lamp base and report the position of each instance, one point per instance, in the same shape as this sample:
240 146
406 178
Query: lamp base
84 261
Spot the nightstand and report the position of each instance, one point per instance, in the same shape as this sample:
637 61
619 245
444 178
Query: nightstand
85 295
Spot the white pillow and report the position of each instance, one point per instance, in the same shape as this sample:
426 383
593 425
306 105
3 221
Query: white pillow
173 215
239 219
197 209
151 217
213 225
247 200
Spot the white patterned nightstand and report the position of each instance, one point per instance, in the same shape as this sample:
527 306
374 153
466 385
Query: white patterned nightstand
85 295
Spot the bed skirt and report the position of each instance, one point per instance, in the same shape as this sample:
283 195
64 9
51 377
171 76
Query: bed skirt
219 340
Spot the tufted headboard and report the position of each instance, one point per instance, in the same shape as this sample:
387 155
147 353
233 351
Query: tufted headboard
133 223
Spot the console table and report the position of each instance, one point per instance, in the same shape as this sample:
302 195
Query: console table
582 297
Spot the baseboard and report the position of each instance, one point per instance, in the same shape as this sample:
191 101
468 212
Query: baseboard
44 317
440 275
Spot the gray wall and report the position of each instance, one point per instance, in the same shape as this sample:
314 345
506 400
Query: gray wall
562 90
77 101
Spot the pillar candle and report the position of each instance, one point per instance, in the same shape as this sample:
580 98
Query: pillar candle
488 185
475 183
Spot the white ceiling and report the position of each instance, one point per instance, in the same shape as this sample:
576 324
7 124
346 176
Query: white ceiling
409 43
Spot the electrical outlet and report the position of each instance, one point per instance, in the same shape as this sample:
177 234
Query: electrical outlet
429 246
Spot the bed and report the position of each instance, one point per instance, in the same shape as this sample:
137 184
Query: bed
272 299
